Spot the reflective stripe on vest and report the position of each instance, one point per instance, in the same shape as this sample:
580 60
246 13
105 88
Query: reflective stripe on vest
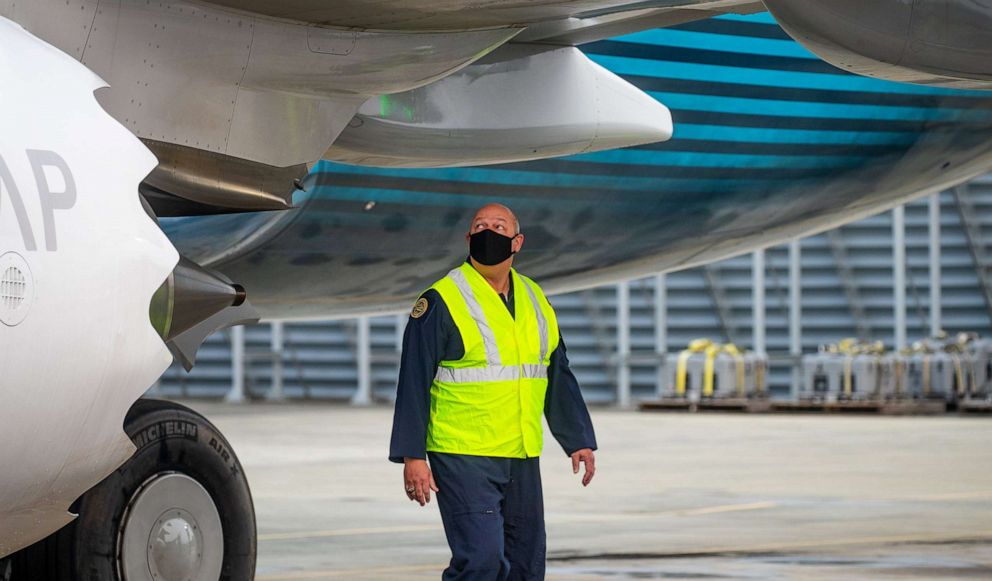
542 323
488 337
490 401
491 373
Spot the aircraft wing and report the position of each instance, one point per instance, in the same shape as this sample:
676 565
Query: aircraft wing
565 18
607 23
928 43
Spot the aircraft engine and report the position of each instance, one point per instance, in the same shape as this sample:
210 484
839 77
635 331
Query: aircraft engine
81 258
931 42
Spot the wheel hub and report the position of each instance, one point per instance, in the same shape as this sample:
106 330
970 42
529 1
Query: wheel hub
174 550
171 532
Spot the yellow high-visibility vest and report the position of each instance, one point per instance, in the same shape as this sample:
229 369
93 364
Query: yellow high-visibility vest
490 402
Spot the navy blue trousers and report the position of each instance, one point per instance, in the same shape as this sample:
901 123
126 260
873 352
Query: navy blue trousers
493 515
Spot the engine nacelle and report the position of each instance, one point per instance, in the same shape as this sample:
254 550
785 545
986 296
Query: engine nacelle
80 261
931 42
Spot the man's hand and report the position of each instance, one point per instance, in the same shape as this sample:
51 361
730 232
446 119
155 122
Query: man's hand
584 455
418 481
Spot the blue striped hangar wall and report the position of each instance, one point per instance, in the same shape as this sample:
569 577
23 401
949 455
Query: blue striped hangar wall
808 115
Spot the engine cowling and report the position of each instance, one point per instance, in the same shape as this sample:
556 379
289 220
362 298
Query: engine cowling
931 42
80 262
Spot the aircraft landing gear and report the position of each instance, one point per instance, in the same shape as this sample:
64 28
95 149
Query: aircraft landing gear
178 509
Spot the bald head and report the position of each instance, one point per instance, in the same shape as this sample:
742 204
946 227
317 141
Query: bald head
496 217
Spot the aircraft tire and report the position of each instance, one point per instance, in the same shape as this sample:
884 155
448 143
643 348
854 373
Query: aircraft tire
180 507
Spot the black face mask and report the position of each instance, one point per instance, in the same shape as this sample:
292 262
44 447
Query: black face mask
488 247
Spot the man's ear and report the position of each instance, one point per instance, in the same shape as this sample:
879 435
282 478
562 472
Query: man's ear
518 242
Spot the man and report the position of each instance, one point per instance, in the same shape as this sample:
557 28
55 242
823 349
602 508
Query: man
482 359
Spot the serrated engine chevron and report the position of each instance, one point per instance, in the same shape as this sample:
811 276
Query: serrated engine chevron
80 262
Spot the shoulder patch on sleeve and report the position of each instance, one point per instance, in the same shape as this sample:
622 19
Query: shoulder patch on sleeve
419 308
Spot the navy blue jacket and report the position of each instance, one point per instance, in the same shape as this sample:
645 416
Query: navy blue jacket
433 337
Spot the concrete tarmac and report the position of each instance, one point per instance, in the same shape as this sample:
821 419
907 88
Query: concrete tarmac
676 496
